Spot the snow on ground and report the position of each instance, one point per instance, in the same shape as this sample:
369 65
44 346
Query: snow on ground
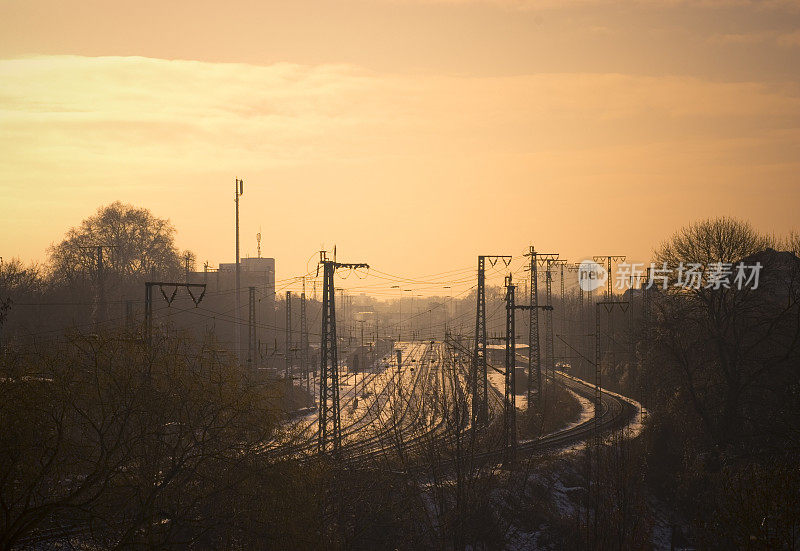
635 426
498 381
662 531
376 380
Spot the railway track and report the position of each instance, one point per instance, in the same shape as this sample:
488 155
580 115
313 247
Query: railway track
380 400
616 413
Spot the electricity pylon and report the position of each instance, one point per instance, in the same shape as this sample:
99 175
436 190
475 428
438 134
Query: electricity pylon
609 291
510 417
598 390
480 393
608 304
581 316
304 338
610 259
251 326
330 424
550 360
288 332
534 350
563 316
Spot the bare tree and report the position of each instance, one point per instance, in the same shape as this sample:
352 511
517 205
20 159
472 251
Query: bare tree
133 445
721 368
135 244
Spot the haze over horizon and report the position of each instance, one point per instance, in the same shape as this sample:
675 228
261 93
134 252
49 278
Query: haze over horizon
412 134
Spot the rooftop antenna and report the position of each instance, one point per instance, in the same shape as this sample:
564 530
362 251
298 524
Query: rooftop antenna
258 240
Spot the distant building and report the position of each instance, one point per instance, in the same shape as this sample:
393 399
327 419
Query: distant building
496 353
253 272
217 312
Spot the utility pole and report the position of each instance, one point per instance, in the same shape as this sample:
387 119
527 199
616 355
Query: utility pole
304 338
548 337
598 391
330 427
534 354
480 394
343 311
534 349
251 327
362 362
609 293
511 358
510 418
5 306
187 264
148 314
101 290
609 259
129 316
563 316
578 342
99 306
237 192
549 353
288 330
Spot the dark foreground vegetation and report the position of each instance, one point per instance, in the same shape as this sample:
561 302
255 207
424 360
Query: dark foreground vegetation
107 442
719 371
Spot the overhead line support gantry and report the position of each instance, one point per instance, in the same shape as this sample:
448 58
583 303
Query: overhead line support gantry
330 424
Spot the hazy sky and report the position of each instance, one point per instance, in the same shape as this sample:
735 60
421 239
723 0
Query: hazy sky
413 134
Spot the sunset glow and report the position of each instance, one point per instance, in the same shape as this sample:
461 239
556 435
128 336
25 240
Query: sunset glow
568 122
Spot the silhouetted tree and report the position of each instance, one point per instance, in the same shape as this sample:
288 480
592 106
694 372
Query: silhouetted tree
135 446
136 244
724 344
18 280
792 243
723 386
714 240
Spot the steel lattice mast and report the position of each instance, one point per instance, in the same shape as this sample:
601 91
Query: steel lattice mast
288 332
251 327
534 346
304 337
550 357
548 339
330 424
534 354
479 383
479 391
510 417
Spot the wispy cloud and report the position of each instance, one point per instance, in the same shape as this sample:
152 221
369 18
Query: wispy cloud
779 38
789 39
82 131
569 4
141 110
742 38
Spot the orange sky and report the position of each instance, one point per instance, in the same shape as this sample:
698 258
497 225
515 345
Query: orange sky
414 134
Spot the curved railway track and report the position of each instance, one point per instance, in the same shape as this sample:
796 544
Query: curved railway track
616 412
